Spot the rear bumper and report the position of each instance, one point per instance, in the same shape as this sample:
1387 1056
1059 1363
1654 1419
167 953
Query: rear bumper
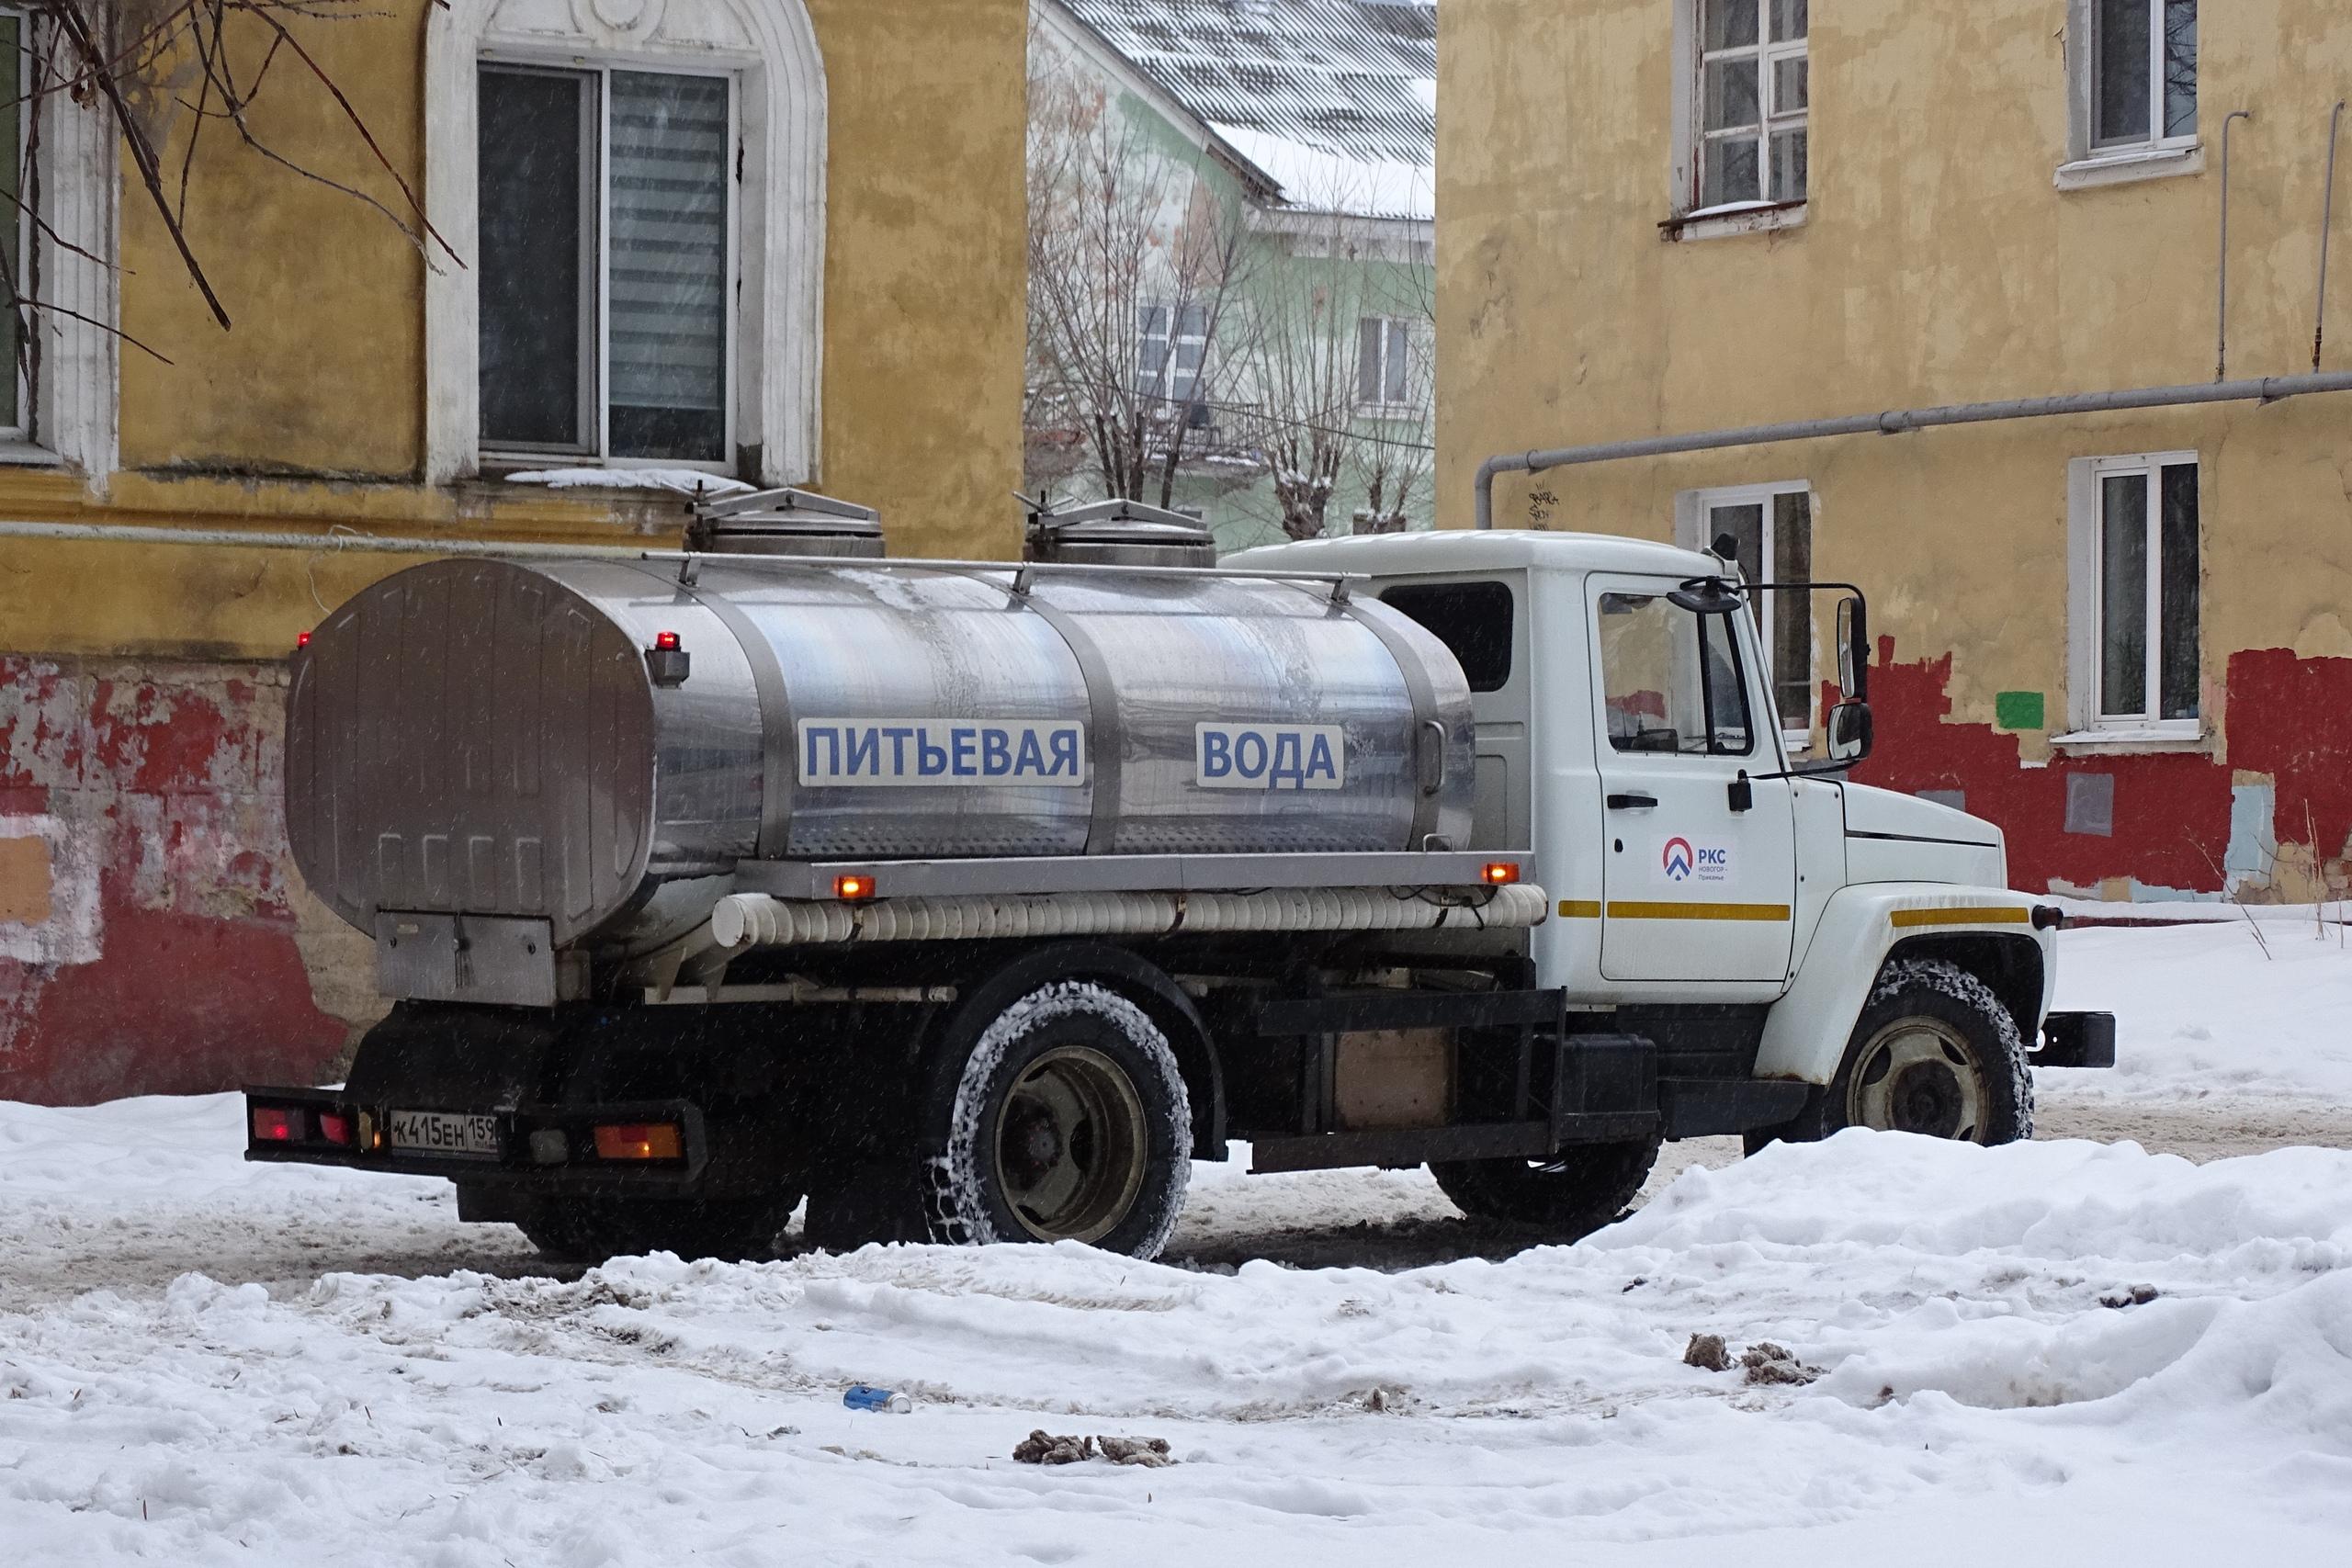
2077 1040
550 1149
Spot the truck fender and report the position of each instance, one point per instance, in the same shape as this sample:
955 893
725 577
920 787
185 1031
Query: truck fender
1862 926
1140 980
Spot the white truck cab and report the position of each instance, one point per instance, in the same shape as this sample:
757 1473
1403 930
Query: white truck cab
1628 732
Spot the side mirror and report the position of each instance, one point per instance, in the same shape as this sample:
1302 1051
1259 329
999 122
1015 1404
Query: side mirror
1851 732
1854 655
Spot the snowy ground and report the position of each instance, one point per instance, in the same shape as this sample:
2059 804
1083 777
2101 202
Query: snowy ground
205 1362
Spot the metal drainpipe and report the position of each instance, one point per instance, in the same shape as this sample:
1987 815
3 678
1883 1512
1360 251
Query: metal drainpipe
350 544
2222 311
2266 389
2326 223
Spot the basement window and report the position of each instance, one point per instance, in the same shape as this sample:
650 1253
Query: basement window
2133 627
606 250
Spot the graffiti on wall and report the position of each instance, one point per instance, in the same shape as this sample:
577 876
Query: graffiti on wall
148 938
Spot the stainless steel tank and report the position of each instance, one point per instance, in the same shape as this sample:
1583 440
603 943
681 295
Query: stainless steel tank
501 739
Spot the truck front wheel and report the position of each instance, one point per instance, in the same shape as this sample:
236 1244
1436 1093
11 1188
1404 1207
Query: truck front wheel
1070 1122
1934 1053
1581 1189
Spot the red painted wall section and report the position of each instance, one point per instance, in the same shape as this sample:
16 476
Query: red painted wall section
2171 815
146 927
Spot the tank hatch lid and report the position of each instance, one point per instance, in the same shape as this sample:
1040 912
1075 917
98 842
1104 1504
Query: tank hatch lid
784 522
1124 533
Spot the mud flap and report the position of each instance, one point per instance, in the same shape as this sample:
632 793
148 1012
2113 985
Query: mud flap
2077 1040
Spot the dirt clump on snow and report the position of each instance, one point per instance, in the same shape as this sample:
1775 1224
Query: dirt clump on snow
1708 1353
1049 1448
1769 1363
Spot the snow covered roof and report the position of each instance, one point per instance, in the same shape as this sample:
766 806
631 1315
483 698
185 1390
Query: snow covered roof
1334 100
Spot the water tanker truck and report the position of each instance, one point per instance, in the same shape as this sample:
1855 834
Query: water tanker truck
973 901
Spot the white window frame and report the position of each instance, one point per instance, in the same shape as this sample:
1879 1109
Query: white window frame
1689 220
70 404
1390 328
2090 163
596 350
2085 522
780 111
1694 510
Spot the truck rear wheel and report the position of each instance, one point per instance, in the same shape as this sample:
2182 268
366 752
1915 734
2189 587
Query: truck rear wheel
1070 1122
1934 1053
1575 1193
590 1230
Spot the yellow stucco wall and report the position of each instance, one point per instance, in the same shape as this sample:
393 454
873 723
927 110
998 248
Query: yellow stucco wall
310 411
1936 264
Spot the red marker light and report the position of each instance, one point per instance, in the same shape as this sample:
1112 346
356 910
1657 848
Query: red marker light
277 1127
853 888
301 639
665 642
1500 873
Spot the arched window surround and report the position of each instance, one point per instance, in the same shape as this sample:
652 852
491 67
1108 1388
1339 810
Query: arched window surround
770 47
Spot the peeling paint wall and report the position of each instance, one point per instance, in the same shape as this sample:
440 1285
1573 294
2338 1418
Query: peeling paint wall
1939 263
152 935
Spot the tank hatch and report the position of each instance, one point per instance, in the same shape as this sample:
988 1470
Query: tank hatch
1119 533
785 522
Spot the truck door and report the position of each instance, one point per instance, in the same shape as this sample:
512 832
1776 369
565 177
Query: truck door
1694 889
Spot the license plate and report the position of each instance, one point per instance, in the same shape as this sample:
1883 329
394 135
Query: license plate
445 1132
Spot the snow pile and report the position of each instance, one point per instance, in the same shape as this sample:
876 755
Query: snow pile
1978 1395
685 481
2209 1008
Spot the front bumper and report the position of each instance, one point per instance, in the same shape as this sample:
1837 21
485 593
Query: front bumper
548 1149
2077 1040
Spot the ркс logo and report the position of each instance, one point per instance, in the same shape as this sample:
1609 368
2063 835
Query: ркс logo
1678 859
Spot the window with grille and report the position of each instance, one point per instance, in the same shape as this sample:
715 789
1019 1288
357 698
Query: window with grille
1754 93
606 251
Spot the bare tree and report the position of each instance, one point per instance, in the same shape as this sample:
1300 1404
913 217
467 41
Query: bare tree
152 66
1135 268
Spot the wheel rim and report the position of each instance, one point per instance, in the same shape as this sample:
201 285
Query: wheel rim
1919 1075
1072 1145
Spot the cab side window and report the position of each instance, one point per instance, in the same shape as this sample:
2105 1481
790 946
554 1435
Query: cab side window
1671 680
1473 621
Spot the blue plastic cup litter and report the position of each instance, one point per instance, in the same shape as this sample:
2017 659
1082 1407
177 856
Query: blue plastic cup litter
865 1396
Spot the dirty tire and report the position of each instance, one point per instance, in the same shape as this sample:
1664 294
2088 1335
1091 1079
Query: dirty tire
1935 1053
1563 1199
590 1230
1070 1123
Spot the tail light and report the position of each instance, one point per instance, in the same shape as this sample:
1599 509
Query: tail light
633 1140
274 1126
335 1126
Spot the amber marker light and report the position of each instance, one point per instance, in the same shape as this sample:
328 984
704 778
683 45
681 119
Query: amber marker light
632 1140
853 887
1500 873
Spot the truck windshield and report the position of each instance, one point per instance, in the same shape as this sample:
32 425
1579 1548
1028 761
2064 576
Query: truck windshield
1671 678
